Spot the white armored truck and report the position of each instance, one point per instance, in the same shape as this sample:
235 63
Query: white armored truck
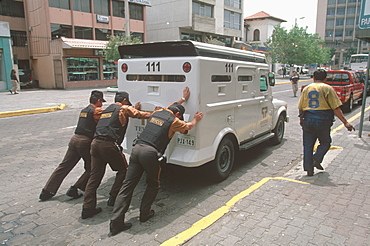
232 87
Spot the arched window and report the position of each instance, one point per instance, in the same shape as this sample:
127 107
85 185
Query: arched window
256 35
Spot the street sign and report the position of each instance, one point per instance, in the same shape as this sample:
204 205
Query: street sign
364 22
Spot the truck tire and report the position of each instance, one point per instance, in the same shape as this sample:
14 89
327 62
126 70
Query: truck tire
221 166
347 107
279 131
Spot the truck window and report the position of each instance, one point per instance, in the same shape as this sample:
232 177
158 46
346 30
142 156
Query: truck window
263 83
245 78
221 78
156 78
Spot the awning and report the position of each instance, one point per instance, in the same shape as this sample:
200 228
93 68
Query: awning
70 43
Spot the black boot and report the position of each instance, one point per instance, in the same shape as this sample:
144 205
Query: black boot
73 192
46 195
90 212
117 227
144 218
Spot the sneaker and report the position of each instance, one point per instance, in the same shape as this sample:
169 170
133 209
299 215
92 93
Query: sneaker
74 193
46 195
10 92
147 217
111 201
317 164
117 227
90 212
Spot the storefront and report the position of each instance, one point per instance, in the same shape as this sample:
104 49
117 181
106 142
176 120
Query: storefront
85 65
5 56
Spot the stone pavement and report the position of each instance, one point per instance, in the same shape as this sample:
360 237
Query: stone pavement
330 208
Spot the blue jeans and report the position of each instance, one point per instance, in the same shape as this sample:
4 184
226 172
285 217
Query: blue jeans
314 129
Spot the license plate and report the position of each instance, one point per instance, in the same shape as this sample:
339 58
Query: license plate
185 140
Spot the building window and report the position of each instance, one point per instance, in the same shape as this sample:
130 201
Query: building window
232 20
191 36
58 30
62 4
341 1
202 9
121 33
109 70
19 38
339 22
101 7
82 5
350 21
348 33
256 35
331 12
329 34
332 2
234 3
136 12
102 34
83 32
82 68
352 1
118 8
339 33
138 35
341 11
12 8
329 23
351 11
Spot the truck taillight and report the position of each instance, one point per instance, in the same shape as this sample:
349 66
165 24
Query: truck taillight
124 67
186 67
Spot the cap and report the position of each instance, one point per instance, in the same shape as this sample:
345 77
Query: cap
98 94
179 108
122 95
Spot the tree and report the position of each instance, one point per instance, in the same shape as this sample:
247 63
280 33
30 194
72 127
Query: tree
111 50
297 47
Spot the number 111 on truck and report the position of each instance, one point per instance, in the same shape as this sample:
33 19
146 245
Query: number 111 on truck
232 87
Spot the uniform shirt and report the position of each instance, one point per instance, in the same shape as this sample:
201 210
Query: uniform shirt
318 96
128 111
295 79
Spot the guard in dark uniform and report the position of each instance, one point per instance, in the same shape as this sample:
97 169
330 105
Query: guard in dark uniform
78 147
147 156
106 148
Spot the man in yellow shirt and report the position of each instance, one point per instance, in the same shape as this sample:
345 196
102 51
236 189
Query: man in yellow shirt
317 106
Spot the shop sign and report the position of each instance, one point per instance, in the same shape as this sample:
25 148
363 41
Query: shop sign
102 18
143 2
364 22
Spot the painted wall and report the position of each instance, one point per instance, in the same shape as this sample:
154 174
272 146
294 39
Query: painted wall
6 61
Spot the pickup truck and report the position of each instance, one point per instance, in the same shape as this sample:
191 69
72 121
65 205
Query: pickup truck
347 86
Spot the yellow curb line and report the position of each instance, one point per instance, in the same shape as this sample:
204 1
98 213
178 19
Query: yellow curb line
31 111
217 214
288 82
340 127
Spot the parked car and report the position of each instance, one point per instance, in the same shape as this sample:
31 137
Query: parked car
25 78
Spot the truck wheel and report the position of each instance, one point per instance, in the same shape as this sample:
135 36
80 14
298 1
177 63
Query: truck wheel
347 107
221 166
279 131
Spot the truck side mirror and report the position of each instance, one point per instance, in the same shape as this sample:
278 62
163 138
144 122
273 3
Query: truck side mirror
271 77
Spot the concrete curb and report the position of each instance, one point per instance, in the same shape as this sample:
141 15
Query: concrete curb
31 111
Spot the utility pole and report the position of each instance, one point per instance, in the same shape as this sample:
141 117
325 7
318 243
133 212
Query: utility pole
127 17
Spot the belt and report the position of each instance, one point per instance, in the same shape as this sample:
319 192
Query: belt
105 139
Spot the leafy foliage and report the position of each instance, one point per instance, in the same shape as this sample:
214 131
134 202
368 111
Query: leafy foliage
111 50
297 46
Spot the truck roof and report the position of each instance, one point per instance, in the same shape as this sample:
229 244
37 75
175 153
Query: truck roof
188 48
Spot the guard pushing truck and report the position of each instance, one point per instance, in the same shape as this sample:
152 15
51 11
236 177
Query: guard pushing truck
231 87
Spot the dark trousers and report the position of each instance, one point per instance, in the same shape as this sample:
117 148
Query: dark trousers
314 129
143 158
103 152
78 147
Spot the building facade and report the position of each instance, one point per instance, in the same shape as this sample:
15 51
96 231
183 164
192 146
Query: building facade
5 56
337 24
259 28
216 21
62 41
